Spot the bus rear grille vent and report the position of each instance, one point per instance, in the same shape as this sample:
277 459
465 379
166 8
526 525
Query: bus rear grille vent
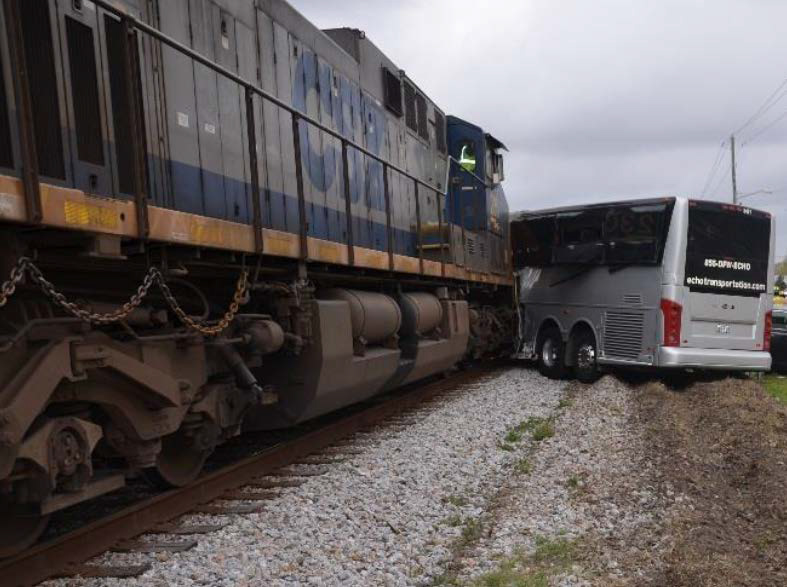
623 334
470 246
632 299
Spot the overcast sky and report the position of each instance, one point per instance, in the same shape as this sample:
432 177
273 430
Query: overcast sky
600 99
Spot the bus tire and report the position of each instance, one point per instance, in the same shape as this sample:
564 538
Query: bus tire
552 354
585 357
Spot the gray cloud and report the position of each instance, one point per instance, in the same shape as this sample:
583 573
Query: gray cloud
599 99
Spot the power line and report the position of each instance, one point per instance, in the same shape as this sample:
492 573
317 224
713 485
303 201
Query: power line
721 179
714 168
766 128
767 105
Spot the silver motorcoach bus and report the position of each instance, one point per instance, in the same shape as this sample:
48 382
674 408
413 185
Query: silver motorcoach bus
667 283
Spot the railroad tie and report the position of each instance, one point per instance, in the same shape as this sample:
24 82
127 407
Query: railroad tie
185 530
342 450
164 546
267 483
227 510
296 472
241 495
319 460
103 571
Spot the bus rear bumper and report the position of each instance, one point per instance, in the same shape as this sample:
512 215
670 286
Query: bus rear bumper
689 358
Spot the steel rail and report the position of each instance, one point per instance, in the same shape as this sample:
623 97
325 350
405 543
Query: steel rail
51 559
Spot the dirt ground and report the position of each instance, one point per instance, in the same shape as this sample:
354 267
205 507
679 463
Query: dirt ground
723 444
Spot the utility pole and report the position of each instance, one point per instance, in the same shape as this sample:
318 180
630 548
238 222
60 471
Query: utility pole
734 179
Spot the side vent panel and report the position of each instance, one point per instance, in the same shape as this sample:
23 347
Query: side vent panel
84 86
439 131
632 299
6 151
423 125
393 91
623 334
40 65
409 107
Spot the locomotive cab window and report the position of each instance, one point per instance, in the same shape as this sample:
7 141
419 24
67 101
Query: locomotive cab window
466 156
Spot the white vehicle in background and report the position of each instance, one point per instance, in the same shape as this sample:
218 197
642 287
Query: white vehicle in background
670 283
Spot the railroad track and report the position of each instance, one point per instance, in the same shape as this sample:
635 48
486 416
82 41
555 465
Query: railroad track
65 555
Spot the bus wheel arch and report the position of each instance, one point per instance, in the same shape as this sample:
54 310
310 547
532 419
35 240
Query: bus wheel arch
551 350
582 352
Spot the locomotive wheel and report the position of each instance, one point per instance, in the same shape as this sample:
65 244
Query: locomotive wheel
179 462
19 530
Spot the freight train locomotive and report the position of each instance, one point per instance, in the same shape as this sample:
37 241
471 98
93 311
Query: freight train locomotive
216 217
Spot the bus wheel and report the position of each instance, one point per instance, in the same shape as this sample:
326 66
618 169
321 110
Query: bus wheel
585 365
552 354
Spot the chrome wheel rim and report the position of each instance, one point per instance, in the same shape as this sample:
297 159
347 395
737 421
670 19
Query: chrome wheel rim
586 357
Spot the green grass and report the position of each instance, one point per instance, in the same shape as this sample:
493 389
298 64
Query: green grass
557 553
505 446
472 530
523 467
538 428
550 558
454 520
543 431
564 403
509 576
513 435
776 386
456 500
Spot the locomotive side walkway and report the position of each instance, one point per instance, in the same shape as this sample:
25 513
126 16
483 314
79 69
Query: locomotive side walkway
519 480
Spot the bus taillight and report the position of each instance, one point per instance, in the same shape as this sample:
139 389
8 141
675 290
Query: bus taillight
766 337
672 312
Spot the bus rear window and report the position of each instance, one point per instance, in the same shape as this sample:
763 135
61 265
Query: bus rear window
727 250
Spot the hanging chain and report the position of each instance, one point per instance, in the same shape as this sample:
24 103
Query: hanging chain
9 287
86 316
25 265
201 327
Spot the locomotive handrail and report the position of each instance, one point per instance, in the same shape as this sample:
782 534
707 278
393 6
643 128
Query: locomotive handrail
195 55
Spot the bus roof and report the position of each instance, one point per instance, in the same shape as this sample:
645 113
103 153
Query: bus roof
525 214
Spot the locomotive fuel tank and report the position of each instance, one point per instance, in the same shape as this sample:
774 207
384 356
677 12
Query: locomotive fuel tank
363 343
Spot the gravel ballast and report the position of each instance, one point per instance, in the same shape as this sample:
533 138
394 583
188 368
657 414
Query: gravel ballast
519 480
390 515
590 508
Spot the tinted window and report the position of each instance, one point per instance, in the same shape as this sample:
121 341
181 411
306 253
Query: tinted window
614 235
580 237
636 233
727 249
532 240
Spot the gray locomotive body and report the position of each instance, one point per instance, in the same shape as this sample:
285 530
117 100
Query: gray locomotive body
214 216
